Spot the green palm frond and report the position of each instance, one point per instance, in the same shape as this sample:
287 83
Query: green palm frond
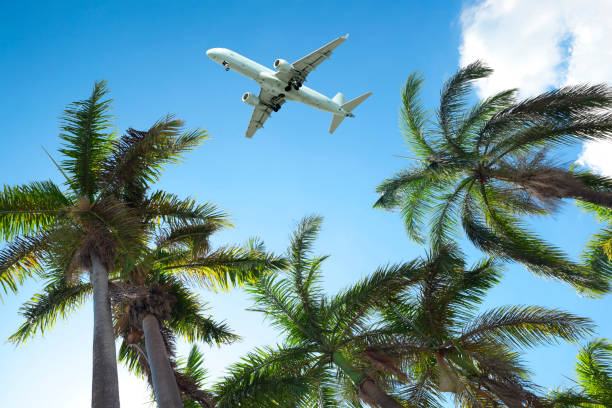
194 237
87 140
351 305
526 326
28 208
188 322
169 208
43 310
301 246
22 258
267 377
594 370
509 241
304 269
571 399
544 118
134 358
226 267
594 379
194 366
138 157
445 215
275 298
413 116
453 98
191 376
482 111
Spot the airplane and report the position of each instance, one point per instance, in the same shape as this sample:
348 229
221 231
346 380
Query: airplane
286 83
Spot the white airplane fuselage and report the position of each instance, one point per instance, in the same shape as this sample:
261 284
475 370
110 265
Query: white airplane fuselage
268 81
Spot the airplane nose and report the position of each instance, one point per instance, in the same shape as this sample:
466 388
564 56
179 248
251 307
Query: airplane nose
212 53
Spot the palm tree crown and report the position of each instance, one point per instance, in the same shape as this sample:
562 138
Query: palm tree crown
323 336
486 166
441 343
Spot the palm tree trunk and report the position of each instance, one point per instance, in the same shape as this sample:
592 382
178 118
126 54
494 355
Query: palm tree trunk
371 393
368 390
164 384
105 383
448 380
554 184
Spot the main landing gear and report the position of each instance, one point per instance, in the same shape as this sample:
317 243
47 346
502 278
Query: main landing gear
226 65
276 107
293 84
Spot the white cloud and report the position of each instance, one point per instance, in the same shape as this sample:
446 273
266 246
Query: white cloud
534 45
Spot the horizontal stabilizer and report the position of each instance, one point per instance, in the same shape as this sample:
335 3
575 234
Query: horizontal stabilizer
350 105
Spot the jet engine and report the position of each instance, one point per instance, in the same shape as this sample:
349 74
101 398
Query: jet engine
282 65
250 99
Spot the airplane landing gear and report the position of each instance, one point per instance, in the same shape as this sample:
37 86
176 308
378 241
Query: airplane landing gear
226 65
276 108
293 84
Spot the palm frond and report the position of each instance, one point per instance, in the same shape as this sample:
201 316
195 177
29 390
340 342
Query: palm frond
276 298
87 138
139 156
594 370
161 206
413 116
226 267
350 305
43 310
194 237
22 258
508 241
453 99
28 208
267 377
303 268
187 319
526 326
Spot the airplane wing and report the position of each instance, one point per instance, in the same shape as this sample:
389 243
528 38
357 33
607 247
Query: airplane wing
262 111
303 66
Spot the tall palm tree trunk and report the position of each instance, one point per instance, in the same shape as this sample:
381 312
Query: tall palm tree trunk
105 382
369 391
164 384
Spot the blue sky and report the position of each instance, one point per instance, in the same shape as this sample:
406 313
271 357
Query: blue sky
152 54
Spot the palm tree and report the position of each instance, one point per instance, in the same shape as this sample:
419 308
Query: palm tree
486 166
99 221
160 305
150 301
594 378
178 311
321 336
436 338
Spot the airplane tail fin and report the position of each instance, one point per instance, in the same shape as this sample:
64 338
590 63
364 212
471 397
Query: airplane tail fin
348 106
339 98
